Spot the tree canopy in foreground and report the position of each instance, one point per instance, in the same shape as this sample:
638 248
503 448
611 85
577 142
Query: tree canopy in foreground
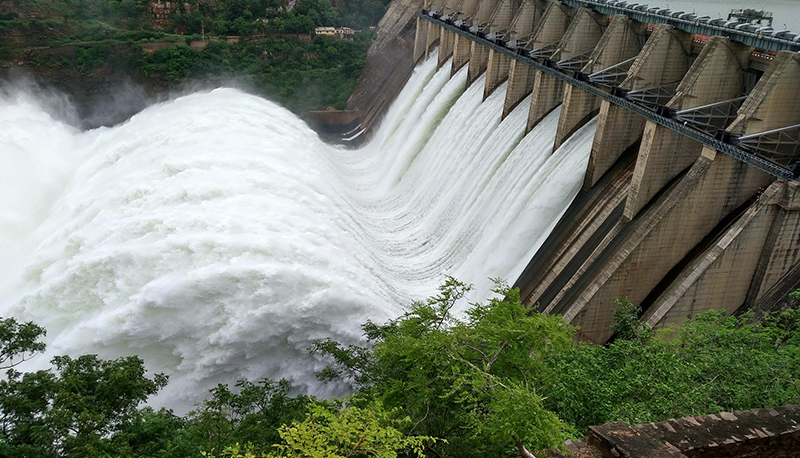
498 380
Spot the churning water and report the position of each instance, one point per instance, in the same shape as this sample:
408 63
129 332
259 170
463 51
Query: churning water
216 236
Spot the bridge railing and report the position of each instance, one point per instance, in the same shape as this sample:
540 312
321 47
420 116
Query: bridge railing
754 35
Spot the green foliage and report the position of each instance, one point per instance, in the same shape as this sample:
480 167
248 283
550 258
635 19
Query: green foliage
334 430
470 382
506 375
301 76
713 363
627 325
74 410
91 57
19 341
252 414
496 381
340 432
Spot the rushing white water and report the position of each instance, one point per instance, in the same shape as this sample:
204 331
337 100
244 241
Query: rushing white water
216 236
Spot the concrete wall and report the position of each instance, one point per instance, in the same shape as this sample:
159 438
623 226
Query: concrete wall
662 60
390 62
548 91
660 238
715 76
672 225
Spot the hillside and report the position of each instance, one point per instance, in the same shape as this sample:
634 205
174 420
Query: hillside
93 49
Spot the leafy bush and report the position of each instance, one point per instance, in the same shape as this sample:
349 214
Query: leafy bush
497 382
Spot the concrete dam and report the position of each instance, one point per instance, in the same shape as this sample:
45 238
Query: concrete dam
690 199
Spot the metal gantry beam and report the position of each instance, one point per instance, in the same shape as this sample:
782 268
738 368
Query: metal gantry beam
713 117
781 146
654 96
544 52
733 149
613 75
575 63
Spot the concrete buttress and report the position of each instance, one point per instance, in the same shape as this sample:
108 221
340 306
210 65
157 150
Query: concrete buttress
659 238
749 257
721 273
781 252
619 42
774 100
551 29
715 76
662 60
479 54
520 75
773 104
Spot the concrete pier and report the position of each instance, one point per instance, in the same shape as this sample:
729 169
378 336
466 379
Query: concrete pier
432 37
664 59
447 42
478 62
447 39
547 90
619 43
479 54
580 39
461 53
520 76
499 26
497 72
421 39
715 76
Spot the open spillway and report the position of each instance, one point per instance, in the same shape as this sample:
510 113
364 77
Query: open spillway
216 236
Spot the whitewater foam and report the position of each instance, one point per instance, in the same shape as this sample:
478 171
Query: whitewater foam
216 236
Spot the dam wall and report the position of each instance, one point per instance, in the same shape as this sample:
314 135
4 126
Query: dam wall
690 198
390 61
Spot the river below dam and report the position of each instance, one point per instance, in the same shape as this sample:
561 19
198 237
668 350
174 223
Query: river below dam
216 236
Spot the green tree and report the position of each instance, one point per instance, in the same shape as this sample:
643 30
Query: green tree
252 413
19 342
710 364
332 430
345 431
72 410
472 383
